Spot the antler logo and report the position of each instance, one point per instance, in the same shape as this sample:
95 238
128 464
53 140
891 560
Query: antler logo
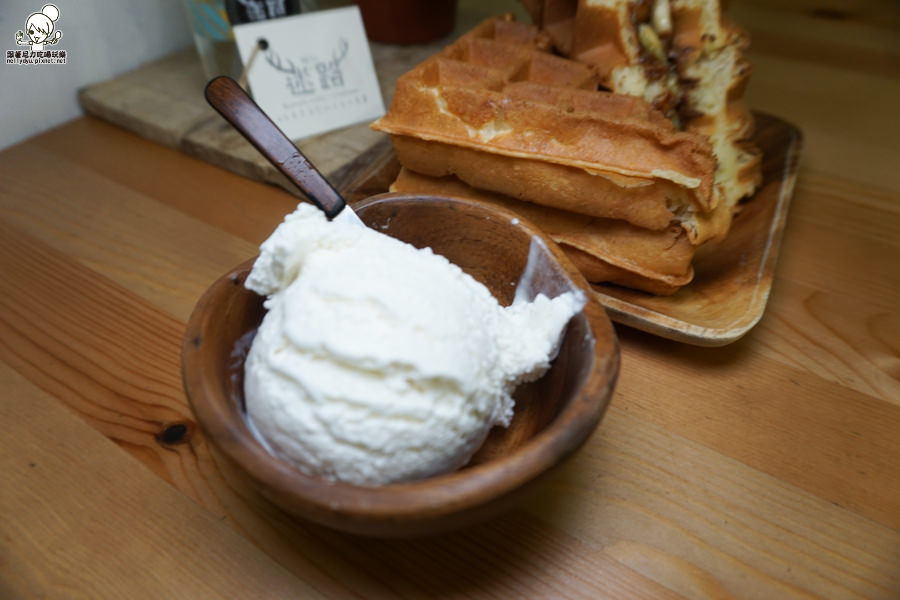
312 74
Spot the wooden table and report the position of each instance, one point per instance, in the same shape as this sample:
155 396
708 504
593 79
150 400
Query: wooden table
769 468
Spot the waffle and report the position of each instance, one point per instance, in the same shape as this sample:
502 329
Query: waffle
556 18
604 250
496 101
682 56
624 41
641 202
715 76
701 27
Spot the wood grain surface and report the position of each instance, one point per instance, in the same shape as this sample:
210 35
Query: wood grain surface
764 469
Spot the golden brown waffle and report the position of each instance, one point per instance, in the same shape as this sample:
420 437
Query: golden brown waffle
624 41
709 54
604 250
701 27
686 58
497 98
682 56
556 18
642 202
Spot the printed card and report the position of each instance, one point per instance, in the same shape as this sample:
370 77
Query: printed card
311 72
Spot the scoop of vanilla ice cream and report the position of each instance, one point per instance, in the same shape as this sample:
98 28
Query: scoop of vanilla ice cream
378 362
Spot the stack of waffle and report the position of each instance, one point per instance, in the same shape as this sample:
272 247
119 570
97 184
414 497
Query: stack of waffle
497 116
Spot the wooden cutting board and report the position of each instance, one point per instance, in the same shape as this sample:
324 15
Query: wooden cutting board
163 101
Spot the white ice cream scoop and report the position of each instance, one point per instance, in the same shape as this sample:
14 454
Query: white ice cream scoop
379 362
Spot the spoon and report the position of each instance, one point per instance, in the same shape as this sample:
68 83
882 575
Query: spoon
232 102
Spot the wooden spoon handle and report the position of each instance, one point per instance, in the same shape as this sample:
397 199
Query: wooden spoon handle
232 102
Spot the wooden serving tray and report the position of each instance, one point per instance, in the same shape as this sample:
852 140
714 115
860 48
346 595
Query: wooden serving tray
732 280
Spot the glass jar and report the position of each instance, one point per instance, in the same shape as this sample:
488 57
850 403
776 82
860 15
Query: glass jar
211 24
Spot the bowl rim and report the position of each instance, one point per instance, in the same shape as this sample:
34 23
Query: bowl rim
428 498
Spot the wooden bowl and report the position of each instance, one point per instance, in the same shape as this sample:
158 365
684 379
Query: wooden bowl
553 416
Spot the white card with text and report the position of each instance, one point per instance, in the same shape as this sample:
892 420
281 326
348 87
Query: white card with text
313 72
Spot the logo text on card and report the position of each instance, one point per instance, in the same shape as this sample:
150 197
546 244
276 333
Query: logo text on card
311 73
314 73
